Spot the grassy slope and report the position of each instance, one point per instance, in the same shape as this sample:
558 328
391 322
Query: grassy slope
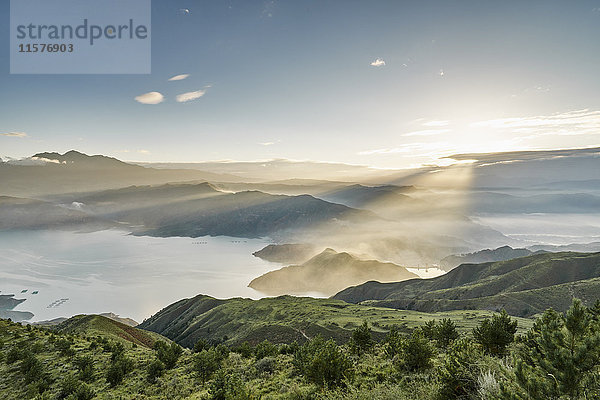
524 286
97 325
13 386
286 318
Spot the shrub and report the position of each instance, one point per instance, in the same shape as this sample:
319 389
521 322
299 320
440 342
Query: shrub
446 333
323 363
85 365
417 353
560 356
64 347
227 387
361 340
155 370
206 363
265 365
200 345
168 354
118 370
393 342
459 374
265 349
495 334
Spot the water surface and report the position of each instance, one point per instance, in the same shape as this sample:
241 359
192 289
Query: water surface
111 271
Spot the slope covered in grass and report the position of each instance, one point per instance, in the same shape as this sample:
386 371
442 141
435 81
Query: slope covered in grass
523 286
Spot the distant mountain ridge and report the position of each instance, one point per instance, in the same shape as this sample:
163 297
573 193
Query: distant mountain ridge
75 172
288 253
82 160
500 254
327 273
523 286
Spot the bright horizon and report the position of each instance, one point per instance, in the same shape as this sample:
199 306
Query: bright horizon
388 85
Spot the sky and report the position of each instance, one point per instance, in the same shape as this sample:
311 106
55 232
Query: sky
389 84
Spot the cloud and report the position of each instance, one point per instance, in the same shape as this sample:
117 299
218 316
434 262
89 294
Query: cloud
189 96
14 134
150 98
436 123
378 63
267 143
179 77
427 132
580 122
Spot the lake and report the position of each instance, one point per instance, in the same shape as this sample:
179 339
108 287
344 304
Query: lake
111 271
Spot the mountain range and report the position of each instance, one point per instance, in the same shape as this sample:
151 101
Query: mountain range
522 286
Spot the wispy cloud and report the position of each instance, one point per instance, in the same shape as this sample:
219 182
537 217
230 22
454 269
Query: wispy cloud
150 98
424 149
179 77
437 123
189 96
14 134
427 132
378 62
581 122
267 143
134 151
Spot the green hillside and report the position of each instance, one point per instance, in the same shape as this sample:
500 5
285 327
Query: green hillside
523 286
97 325
286 318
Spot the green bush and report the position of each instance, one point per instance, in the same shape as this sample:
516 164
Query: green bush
206 363
495 334
168 354
118 369
560 356
362 339
155 370
417 353
85 365
459 373
323 363
265 349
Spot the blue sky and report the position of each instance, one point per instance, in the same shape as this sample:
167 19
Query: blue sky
293 79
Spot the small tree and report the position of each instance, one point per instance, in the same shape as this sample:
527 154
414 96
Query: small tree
393 342
265 349
85 365
200 345
495 334
322 362
168 354
206 363
155 370
459 373
560 356
446 333
361 339
417 353
119 368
